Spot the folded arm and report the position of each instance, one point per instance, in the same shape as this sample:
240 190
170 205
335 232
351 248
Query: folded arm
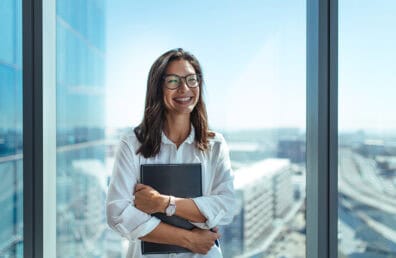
122 215
132 223
148 200
197 240
220 205
206 212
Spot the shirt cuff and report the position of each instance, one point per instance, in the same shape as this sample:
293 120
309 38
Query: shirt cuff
212 218
141 230
200 225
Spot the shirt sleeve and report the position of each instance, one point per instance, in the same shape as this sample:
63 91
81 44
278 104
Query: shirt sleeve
220 206
122 215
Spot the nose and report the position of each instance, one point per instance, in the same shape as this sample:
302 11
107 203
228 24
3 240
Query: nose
183 85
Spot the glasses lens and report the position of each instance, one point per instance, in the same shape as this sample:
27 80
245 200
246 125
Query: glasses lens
172 81
192 80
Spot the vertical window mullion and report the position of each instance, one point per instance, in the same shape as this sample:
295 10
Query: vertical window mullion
333 127
49 128
32 129
322 86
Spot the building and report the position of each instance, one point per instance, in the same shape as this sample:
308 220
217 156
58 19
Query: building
292 149
265 193
283 190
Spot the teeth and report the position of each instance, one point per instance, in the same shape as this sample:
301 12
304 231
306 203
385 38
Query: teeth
183 99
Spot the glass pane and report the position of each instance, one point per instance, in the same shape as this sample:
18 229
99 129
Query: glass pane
253 57
80 110
249 64
367 134
11 162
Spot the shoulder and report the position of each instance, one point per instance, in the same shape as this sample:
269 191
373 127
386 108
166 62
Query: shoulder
217 138
217 142
130 139
219 148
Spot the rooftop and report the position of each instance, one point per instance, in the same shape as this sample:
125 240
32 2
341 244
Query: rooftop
264 168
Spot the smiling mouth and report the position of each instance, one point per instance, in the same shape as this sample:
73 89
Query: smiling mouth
183 100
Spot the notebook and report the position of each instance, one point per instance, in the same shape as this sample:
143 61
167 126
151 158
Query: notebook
180 180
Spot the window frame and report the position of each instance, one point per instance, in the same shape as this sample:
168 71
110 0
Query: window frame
39 119
322 126
32 128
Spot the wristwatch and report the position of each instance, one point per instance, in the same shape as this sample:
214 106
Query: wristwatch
171 209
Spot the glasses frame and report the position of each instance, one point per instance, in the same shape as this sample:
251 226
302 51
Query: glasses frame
185 80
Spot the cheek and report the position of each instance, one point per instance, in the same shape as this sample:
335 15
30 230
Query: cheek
166 102
167 98
196 93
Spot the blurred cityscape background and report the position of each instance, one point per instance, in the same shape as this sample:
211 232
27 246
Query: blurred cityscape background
266 138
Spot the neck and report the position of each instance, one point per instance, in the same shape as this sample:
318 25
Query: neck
177 127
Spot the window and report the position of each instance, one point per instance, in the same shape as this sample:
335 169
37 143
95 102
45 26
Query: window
88 130
253 59
367 149
11 161
80 126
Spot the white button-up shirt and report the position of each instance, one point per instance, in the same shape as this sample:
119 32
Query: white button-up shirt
217 203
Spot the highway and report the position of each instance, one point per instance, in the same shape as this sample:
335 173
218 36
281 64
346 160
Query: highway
367 208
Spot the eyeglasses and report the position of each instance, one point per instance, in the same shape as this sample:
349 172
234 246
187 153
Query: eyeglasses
173 81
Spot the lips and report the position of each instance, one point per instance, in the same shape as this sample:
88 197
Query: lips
183 100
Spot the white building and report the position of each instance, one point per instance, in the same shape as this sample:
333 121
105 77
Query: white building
265 191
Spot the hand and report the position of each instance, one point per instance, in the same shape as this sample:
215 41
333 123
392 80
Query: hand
148 200
202 240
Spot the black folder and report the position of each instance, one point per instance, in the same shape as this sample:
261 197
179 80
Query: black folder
180 180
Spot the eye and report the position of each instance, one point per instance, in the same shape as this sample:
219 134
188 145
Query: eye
172 79
192 78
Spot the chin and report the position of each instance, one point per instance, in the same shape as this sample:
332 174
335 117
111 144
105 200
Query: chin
187 111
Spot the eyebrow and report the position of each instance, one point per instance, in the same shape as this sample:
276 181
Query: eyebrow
168 74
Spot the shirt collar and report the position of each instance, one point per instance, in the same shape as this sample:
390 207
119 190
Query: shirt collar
190 138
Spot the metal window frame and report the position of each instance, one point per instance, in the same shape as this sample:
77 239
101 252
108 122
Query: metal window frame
39 120
322 126
32 129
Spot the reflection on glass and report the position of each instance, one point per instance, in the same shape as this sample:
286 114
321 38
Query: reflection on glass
81 178
253 59
367 139
11 162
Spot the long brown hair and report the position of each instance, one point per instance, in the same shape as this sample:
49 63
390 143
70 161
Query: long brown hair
150 129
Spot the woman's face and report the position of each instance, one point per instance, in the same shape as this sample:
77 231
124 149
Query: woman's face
183 99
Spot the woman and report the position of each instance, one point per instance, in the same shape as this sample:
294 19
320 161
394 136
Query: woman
174 130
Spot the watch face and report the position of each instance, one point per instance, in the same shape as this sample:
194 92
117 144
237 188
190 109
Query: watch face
170 210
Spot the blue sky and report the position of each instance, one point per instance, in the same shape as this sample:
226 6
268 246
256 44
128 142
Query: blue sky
367 68
253 56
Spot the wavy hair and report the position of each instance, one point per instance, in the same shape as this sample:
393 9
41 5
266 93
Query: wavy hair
149 131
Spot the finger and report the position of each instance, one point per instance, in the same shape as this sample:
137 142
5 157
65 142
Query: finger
215 229
217 234
139 187
136 196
